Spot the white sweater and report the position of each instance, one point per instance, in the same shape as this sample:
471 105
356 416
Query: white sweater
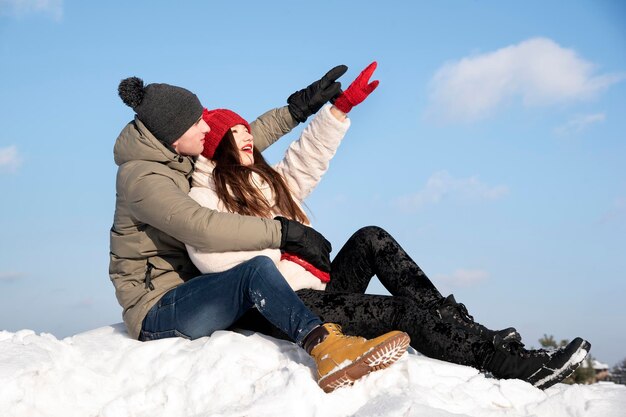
305 161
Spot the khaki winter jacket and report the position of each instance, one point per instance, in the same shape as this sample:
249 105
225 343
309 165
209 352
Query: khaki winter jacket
154 218
303 166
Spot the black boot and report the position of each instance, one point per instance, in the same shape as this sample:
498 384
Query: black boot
540 367
456 314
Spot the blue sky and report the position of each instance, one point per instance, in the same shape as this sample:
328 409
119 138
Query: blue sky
493 149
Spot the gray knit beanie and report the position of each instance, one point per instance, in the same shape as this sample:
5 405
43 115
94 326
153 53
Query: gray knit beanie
166 110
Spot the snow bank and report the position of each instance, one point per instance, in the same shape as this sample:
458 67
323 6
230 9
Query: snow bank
104 373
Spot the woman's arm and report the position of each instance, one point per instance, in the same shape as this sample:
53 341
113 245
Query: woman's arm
308 158
339 115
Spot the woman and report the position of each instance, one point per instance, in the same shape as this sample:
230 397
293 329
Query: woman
232 176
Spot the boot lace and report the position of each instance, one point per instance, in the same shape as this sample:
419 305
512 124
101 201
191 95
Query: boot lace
335 328
458 310
465 315
517 348
449 310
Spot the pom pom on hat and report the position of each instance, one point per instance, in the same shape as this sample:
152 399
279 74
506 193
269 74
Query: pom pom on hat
219 120
166 110
131 91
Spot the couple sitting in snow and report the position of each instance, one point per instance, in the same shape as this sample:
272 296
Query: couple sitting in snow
236 250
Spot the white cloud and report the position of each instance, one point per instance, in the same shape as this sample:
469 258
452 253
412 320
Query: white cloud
538 71
579 123
464 277
9 159
19 8
441 186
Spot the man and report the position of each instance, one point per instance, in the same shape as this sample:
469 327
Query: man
162 293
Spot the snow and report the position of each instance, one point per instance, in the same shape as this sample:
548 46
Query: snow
104 373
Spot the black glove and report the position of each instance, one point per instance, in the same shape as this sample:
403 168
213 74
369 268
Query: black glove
305 242
309 100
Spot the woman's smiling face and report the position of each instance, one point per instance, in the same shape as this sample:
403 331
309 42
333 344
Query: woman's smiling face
244 143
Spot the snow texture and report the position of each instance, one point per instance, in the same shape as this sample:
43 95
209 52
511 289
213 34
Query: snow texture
104 373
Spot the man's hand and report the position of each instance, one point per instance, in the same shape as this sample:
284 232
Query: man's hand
309 100
305 242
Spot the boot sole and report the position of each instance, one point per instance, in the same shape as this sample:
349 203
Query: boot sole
567 369
380 357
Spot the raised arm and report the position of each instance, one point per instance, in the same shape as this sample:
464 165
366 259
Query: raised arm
308 158
274 124
271 126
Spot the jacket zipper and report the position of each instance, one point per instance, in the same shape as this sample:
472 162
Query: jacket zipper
148 277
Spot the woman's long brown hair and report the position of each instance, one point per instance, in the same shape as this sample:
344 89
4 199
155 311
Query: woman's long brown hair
234 186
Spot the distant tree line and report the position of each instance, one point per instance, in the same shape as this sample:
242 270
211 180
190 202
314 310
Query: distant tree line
618 373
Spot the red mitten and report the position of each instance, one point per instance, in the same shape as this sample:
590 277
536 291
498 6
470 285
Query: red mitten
321 275
358 90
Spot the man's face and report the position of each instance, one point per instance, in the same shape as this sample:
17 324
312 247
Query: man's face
191 143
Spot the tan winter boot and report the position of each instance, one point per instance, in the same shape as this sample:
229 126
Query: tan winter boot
342 359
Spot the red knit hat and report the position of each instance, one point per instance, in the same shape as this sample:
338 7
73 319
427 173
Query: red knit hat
219 120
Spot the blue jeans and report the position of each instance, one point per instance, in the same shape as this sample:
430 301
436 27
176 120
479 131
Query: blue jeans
213 302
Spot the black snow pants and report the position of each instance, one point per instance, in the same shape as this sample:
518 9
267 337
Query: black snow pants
372 251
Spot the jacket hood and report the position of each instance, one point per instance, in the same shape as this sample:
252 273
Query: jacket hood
136 143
